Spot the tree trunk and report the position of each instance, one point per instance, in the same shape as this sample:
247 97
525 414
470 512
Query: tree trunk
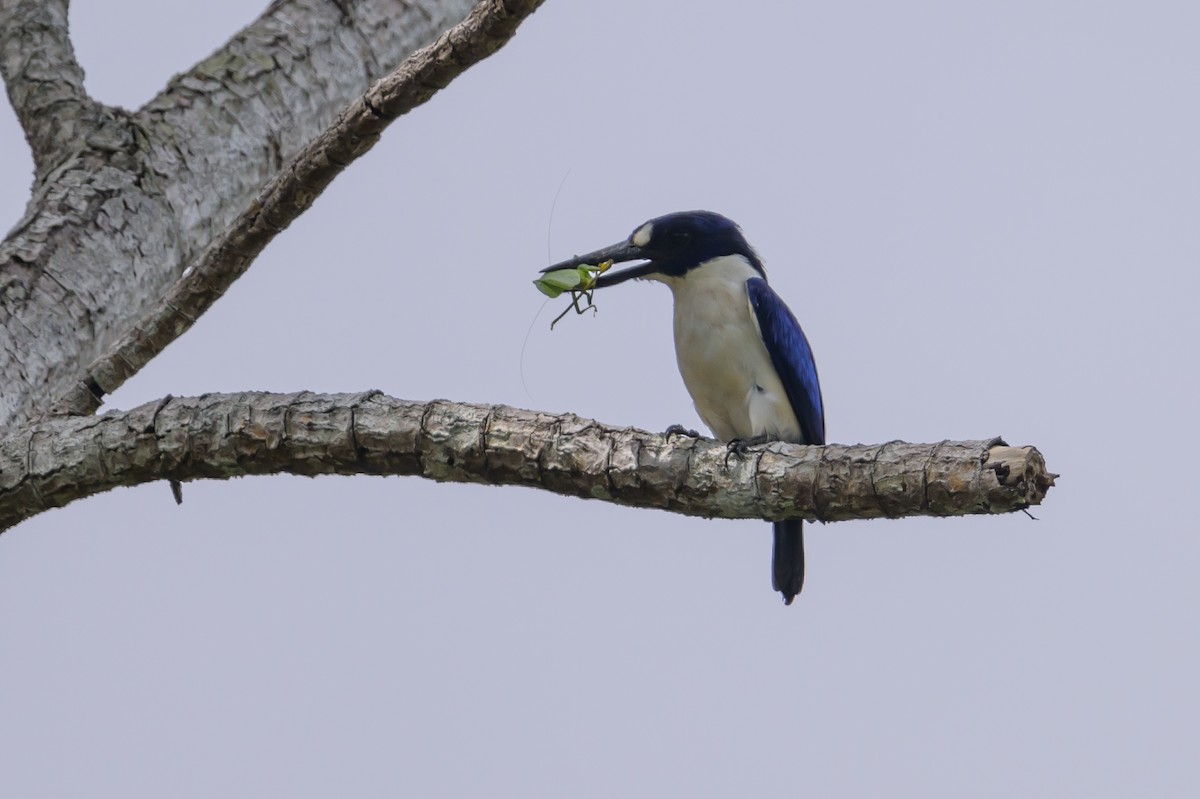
123 202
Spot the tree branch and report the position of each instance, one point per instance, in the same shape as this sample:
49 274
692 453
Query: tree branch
488 27
141 195
220 436
44 81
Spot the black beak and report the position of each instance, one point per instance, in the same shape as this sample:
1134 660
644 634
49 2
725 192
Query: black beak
618 253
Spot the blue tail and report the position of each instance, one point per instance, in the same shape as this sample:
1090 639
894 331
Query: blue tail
787 560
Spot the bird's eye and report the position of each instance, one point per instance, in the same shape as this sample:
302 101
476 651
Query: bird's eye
679 238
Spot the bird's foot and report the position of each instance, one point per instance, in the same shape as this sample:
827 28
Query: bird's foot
680 430
738 447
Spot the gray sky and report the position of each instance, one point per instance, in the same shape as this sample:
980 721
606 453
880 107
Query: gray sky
984 215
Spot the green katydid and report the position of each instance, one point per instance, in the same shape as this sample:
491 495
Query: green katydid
579 280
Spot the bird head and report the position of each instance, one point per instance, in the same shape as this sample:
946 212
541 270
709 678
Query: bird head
669 247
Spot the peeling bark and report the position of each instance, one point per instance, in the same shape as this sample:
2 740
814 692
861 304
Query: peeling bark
219 436
44 81
140 220
139 195
290 193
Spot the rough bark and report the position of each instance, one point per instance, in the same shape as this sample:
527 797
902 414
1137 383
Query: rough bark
230 435
124 201
44 81
140 220
290 193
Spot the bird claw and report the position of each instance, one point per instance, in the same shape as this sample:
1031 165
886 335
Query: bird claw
738 447
680 430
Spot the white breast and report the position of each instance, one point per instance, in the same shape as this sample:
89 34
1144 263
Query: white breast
724 363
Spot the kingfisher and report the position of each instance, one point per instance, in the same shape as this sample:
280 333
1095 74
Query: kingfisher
743 356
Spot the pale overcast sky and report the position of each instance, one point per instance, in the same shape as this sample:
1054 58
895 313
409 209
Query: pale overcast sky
985 216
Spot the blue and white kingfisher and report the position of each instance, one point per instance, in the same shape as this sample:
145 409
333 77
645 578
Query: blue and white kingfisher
742 354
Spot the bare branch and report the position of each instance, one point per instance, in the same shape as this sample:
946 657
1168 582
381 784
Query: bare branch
488 27
113 226
44 81
229 435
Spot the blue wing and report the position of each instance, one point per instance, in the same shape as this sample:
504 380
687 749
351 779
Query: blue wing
792 358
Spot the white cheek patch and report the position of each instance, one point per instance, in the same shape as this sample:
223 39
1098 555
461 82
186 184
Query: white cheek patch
641 236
